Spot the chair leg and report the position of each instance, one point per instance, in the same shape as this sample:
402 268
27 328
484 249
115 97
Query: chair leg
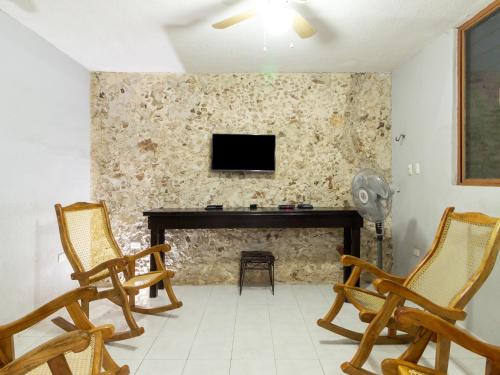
371 334
417 347
110 365
442 353
127 312
7 353
123 301
86 307
334 310
170 292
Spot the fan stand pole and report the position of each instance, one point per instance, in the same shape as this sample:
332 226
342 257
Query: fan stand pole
379 228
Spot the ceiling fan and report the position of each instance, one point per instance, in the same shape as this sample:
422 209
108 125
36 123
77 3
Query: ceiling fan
277 15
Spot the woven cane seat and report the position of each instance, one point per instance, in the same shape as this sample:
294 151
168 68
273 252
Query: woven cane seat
79 363
363 300
146 279
405 370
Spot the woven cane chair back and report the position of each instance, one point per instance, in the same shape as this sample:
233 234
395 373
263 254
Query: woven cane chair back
460 260
86 235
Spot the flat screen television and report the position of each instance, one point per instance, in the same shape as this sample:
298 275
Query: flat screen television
243 152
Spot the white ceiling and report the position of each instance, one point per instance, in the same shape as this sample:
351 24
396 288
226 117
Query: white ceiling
175 35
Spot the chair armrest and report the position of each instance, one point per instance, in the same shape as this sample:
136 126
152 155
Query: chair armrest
75 341
109 264
461 337
46 310
163 248
385 286
348 260
106 331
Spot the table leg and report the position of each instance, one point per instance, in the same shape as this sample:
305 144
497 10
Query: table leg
153 289
352 245
161 240
356 244
347 251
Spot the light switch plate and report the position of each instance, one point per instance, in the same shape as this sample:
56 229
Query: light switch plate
417 168
410 169
61 257
416 252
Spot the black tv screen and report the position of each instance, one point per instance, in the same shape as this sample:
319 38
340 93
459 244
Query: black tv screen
242 152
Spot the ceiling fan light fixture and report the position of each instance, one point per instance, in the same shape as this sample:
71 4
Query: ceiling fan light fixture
277 18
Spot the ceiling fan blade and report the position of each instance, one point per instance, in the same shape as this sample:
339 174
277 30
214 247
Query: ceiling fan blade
234 20
302 27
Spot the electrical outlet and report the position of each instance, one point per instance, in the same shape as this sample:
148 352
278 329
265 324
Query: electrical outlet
61 257
417 168
410 169
416 252
135 246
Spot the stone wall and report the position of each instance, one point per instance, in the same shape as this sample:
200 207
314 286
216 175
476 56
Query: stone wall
151 137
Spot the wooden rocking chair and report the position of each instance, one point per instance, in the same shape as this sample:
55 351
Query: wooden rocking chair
94 255
80 352
406 366
461 257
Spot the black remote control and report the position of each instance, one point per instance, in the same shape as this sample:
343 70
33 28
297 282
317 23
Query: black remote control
286 206
214 207
305 206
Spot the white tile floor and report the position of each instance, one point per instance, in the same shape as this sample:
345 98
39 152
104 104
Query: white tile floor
218 332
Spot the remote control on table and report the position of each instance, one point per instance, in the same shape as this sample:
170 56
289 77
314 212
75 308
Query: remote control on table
286 206
214 207
305 206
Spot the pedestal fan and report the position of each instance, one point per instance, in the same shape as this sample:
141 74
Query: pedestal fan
372 197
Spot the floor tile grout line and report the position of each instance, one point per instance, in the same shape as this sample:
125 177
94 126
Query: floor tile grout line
198 327
234 333
272 336
327 297
152 343
158 336
308 332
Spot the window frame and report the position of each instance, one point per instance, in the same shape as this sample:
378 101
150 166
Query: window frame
461 178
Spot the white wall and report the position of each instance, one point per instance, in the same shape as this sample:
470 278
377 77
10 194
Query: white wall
424 108
44 159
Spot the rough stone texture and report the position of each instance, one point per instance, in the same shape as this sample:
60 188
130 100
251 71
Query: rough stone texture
151 138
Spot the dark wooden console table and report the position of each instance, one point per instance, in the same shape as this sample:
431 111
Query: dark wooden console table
198 218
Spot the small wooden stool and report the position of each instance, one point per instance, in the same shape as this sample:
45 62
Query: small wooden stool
257 260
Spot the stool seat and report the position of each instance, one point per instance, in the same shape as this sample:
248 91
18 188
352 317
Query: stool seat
257 255
257 260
